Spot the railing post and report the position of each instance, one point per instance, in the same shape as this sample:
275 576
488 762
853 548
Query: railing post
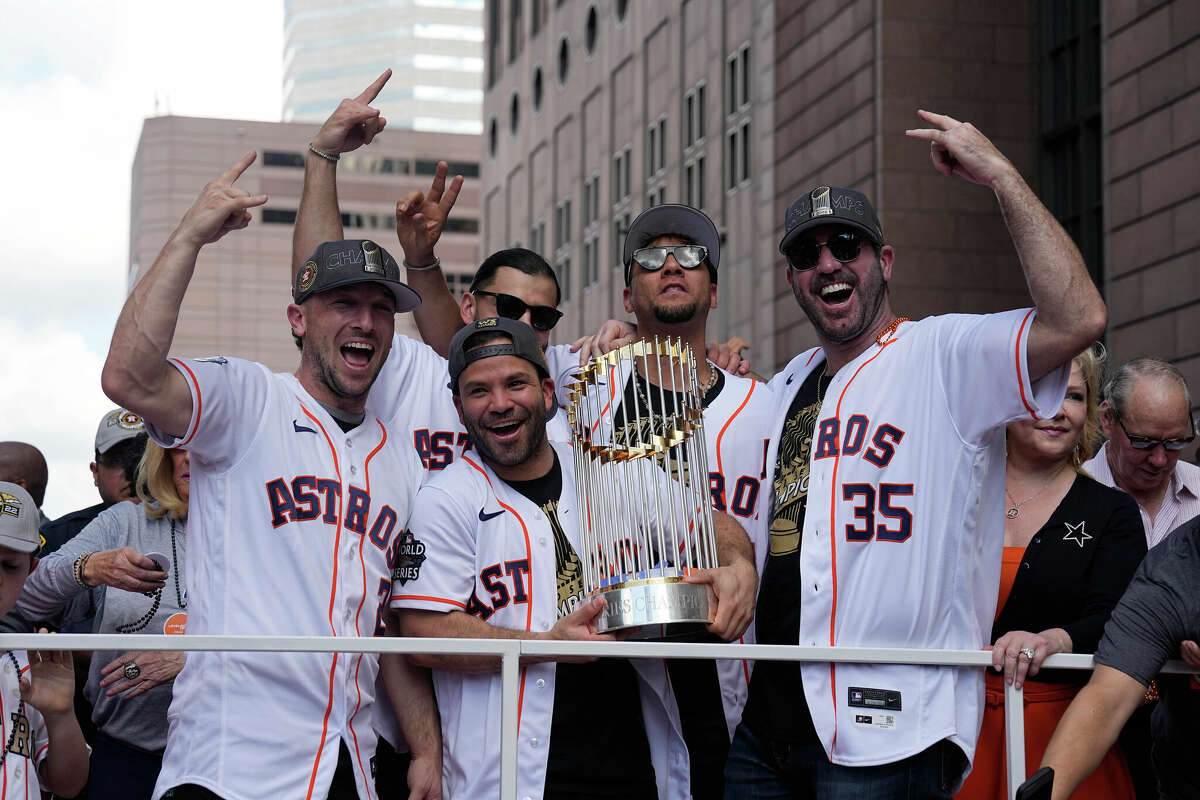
510 670
1014 737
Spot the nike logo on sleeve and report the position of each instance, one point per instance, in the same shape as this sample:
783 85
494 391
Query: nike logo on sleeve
485 517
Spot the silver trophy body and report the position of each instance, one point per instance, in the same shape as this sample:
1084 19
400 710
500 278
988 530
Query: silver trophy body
642 479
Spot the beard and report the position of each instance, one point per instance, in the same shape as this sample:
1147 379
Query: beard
513 453
673 315
871 291
327 374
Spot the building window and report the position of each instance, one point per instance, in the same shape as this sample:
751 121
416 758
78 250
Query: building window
620 229
1069 164
492 138
537 8
274 158
621 184
279 216
656 147
589 31
493 39
591 261
428 166
737 118
562 246
693 181
591 200
622 9
537 238
564 61
515 37
514 113
537 89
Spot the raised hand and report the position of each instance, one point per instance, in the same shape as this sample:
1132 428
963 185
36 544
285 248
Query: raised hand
221 207
354 122
420 217
958 148
49 686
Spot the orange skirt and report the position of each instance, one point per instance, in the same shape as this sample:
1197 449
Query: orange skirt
1045 703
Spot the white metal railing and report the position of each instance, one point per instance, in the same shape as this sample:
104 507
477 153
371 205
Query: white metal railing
511 650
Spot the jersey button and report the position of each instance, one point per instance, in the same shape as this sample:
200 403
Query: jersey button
533 742
541 683
542 541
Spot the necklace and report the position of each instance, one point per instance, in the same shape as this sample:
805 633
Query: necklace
134 627
889 330
824 379
1014 510
641 389
20 711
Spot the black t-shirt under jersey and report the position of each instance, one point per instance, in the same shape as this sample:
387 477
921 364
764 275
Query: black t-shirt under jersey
598 744
775 707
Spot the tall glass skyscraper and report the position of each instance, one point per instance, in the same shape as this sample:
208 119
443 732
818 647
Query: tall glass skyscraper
434 47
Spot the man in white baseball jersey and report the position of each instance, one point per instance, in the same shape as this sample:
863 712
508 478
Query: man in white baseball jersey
493 552
43 745
887 515
298 496
671 255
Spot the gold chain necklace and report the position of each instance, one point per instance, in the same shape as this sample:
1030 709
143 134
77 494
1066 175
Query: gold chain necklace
1014 510
712 381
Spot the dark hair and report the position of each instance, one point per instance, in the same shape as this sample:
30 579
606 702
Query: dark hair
125 454
519 258
648 238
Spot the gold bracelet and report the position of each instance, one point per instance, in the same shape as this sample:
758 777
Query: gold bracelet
334 157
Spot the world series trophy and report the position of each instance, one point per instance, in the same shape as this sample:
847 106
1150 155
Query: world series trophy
641 470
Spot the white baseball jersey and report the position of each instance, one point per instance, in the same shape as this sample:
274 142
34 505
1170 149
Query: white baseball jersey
413 398
485 549
738 424
293 526
30 740
904 526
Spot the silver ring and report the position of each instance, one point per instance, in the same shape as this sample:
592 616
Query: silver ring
1027 652
132 671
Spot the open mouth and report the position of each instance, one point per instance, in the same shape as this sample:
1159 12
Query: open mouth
506 431
835 294
357 354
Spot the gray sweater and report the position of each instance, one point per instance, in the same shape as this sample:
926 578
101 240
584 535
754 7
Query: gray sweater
51 593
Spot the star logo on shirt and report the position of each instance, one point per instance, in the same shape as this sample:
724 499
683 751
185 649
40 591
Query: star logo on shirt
1076 533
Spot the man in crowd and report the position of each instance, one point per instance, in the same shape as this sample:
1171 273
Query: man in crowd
120 442
1159 612
608 728
1147 417
288 534
888 465
23 464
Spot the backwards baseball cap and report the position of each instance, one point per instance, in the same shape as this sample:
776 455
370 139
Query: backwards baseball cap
673 218
522 343
831 205
18 519
352 261
117 426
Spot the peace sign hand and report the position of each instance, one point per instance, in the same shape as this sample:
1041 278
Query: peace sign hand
354 122
421 217
958 148
221 207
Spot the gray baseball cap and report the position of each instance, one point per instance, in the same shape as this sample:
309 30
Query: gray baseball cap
831 205
352 261
523 344
673 218
117 426
18 519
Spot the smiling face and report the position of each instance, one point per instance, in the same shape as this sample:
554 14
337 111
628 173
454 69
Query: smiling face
504 402
671 295
1053 439
844 301
1157 407
347 332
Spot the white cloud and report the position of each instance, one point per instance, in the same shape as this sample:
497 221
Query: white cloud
77 77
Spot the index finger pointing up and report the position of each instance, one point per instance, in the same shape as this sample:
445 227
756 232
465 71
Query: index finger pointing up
372 91
235 172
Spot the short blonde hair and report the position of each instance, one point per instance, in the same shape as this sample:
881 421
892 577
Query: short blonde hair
156 484
1091 364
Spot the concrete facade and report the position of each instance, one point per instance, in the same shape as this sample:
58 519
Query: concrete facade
235 303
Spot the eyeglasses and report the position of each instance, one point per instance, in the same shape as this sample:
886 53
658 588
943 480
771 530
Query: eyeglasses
843 245
543 318
689 256
1146 443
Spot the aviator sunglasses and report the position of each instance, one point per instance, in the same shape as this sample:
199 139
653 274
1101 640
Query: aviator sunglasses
1138 442
652 259
543 318
843 246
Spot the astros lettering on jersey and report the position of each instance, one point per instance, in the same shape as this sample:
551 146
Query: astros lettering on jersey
904 528
481 547
293 527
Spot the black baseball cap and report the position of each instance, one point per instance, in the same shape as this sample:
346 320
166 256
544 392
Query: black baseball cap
523 344
831 205
673 218
352 261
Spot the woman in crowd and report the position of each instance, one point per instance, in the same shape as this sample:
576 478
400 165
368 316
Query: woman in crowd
128 565
1071 547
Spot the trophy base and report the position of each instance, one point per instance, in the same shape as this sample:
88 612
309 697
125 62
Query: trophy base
662 607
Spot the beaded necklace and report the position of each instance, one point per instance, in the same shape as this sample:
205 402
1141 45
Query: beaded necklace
134 627
12 734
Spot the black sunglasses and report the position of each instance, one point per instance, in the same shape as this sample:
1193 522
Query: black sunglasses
843 245
543 318
689 256
1147 443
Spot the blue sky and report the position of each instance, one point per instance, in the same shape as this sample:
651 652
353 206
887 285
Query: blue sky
76 80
